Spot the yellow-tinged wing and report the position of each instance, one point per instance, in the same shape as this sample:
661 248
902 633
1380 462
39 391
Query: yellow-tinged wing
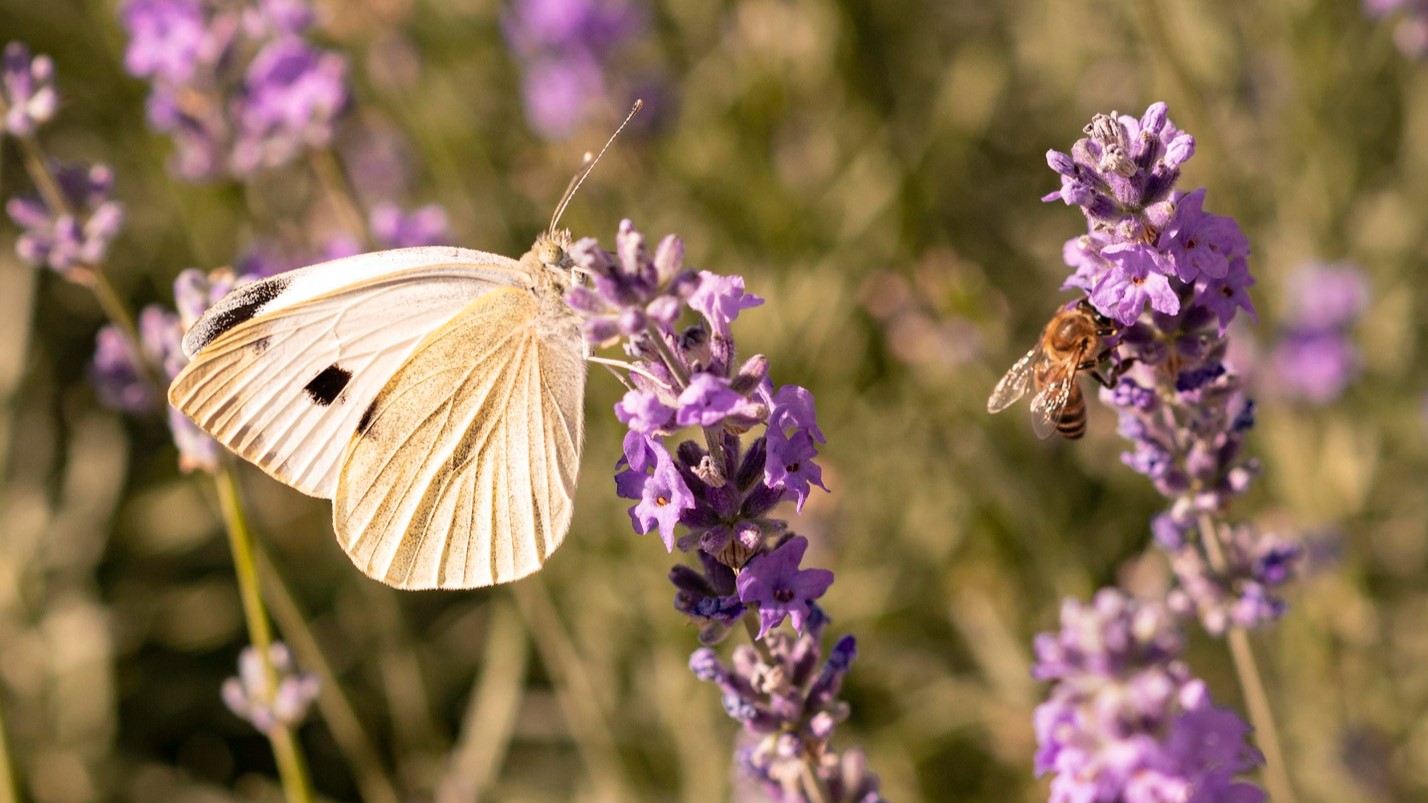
462 471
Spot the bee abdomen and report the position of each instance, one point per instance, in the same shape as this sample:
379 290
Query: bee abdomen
1073 419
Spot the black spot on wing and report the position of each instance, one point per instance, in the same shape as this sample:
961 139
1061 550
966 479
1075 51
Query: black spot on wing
325 387
261 344
241 305
365 422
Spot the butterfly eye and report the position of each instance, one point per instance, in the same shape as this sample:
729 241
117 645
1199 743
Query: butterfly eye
551 254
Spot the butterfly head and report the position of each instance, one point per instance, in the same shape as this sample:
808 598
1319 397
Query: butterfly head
551 260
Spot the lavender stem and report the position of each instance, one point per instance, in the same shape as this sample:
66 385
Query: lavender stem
1251 682
8 793
337 711
292 767
578 695
88 275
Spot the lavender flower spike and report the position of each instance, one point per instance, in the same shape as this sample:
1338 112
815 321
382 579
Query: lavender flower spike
1125 720
753 448
27 91
1174 276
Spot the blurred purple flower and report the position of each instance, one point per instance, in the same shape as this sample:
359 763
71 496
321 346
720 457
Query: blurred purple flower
291 97
1410 23
565 47
238 89
559 94
1315 366
253 697
167 38
1125 720
1315 359
77 236
27 90
392 228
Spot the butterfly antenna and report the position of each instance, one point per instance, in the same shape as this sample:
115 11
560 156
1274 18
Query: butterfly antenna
587 165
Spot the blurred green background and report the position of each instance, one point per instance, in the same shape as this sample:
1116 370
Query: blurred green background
873 170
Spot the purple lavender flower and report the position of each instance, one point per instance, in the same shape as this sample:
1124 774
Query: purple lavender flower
789 709
1243 594
167 38
253 697
662 493
720 299
27 91
724 491
393 228
1174 276
238 89
709 400
292 94
122 382
779 588
1315 359
1199 243
1133 281
565 48
1125 720
117 379
76 236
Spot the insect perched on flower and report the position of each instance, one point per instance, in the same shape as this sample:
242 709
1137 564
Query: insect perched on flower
434 394
1072 342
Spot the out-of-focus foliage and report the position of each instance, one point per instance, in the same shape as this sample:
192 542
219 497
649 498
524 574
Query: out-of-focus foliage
873 170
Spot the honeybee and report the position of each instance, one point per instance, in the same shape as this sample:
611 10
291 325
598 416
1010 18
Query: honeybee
1072 342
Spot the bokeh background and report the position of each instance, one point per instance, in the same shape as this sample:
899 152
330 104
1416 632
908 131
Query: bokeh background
874 171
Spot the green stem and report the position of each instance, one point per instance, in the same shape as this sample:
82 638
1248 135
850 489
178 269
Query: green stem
8 790
337 711
1281 789
576 692
292 767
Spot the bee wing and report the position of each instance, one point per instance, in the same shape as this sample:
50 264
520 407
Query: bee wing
1048 404
462 471
283 368
1015 383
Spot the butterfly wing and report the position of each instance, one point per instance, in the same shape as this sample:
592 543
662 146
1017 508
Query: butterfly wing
283 368
462 473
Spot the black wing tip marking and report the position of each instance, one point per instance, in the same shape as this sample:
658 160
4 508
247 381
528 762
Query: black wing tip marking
324 388
241 305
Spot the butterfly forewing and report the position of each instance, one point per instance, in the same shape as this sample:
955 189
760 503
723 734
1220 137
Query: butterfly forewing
283 369
462 473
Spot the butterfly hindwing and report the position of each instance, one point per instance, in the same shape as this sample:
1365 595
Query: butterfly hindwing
462 471
283 368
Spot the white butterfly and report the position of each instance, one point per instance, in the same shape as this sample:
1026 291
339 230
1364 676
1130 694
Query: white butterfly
433 394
